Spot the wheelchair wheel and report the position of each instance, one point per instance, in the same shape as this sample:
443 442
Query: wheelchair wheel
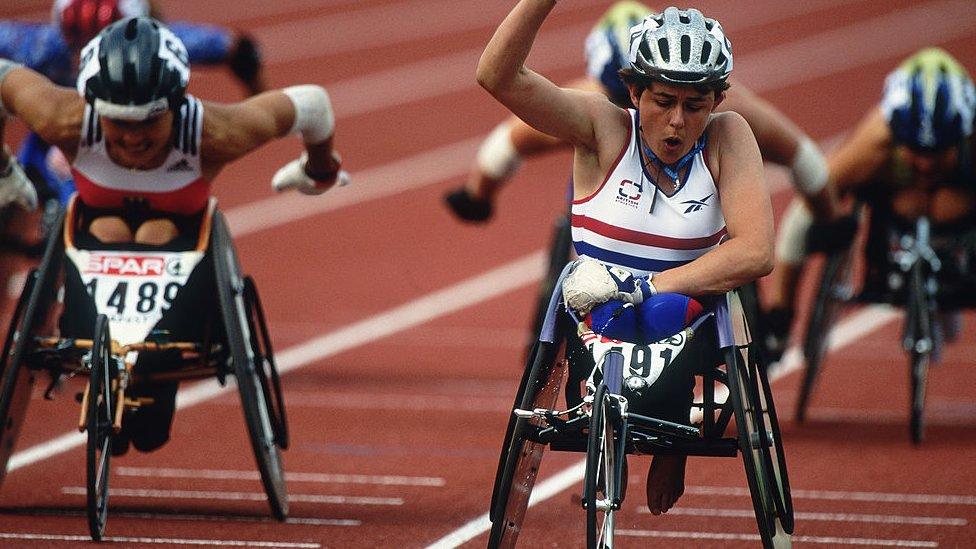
33 316
755 446
101 414
267 369
258 413
920 339
773 453
823 314
520 458
601 490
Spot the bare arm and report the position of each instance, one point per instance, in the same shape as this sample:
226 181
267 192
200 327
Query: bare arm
862 154
565 114
52 112
748 254
233 130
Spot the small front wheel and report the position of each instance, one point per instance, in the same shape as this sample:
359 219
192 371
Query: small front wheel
601 493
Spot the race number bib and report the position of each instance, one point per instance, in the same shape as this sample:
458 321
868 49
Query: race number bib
643 361
134 289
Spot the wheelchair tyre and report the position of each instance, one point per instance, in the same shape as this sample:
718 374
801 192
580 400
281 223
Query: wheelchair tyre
102 402
752 437
521 457
920 330
601 492
237 321
823 314
264 358
32 315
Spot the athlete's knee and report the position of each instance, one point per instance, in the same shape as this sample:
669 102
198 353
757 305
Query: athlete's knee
156 232
110 229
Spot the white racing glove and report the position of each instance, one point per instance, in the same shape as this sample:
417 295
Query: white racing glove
588 285
16 188
292 176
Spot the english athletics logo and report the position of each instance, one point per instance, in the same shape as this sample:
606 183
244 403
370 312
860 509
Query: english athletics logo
629 193
696 205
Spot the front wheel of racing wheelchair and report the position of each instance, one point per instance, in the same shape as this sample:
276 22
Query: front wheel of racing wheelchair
603 428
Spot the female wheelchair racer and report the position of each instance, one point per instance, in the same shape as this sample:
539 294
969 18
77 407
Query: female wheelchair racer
137 320
627 396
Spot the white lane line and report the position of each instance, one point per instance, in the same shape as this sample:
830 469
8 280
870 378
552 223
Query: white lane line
831 541
355 401
161 541
232 496
194 517
839 495
828 52
322 478
820 517
489 285
850 329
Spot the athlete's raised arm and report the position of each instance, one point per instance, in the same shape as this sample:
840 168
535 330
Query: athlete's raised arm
568 114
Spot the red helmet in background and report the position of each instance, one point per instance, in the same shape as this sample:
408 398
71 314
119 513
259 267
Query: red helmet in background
82 20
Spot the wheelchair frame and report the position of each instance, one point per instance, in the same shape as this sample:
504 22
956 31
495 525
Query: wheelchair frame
603 428
918 266
237 343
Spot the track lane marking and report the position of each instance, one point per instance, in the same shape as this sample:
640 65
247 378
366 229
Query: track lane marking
828 540
197 517
160 541
840 495
820 517
232 496
323 478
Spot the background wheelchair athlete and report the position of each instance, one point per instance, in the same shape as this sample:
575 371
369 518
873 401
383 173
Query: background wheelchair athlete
909 158
627 398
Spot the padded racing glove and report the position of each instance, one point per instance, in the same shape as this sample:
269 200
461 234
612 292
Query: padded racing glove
467 207
293 176
16 188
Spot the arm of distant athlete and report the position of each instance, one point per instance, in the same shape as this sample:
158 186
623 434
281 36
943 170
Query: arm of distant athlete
862 155
748 253
233 130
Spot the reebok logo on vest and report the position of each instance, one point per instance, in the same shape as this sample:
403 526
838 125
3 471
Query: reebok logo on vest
696 205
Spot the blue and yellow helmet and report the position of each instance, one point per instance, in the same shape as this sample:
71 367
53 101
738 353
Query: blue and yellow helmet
608 46
929 101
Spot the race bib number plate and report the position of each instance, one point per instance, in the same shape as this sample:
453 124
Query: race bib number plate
134 289
643 361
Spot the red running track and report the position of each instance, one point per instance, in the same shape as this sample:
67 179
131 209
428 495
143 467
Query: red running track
403 330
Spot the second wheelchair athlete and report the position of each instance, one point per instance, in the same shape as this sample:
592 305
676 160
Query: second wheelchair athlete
656 188
143 152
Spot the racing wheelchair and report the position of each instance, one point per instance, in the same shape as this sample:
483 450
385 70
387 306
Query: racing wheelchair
903 269
135 320
600 421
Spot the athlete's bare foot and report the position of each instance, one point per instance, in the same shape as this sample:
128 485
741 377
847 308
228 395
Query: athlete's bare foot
665 482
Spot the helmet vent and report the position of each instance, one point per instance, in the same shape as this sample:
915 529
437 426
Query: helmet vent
684 19
706 50
662 46
131 29
685 48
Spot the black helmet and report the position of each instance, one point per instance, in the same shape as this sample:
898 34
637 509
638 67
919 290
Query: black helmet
134 69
